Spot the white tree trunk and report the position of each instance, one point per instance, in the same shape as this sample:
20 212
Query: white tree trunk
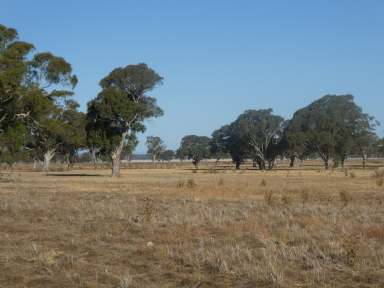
47 159
365 157
116 156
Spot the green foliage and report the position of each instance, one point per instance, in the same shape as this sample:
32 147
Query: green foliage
130 145
330 127
73 135
27 107
121 108
261 132
194 147
226 140
255 134
11 142
155 146
167 155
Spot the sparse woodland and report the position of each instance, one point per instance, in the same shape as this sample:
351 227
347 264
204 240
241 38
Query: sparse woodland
40 120
280 203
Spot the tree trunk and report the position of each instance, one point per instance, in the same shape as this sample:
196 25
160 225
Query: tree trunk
116 166
342 161
237 163
271 164
364 157
292 159
154 160
116 156
47 159
326 163
261 163
93 157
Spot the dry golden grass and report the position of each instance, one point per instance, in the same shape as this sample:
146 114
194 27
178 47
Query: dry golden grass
175 228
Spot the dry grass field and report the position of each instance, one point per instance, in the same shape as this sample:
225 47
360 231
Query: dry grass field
179 228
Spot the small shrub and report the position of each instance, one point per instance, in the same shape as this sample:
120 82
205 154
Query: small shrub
220 182
180 184
351 251
191 183
304 197
148 209
345 198
286 200
263 183
268 198
126 282
378 173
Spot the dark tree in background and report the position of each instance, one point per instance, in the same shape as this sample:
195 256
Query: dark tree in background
218 144
255 134
74 134
194 147
121 108
167 155
262 131
331 127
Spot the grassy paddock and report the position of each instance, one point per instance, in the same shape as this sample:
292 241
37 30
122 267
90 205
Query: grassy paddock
177 227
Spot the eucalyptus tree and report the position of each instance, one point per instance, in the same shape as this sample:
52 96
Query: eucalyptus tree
167 155
13 69
74 135
130 146
31 87
380 147
121 108
218 144
227 140
52 79
195 148
331 127
155 147
261 131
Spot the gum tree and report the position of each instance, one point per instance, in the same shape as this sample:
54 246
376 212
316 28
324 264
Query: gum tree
332 127
121 108
261 131
194 147
227 140
31 90
155 147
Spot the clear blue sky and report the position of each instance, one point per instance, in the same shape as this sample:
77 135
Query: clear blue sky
218 57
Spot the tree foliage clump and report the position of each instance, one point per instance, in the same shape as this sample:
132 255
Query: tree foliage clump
195 148
332 127
155 147
119 110
33 91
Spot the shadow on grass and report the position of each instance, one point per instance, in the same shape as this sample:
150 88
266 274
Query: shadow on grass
75 175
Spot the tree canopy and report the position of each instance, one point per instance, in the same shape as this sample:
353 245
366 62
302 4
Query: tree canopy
194 147
121 108
330 127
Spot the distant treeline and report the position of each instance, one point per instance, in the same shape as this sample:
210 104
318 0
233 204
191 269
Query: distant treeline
40 121
331 128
